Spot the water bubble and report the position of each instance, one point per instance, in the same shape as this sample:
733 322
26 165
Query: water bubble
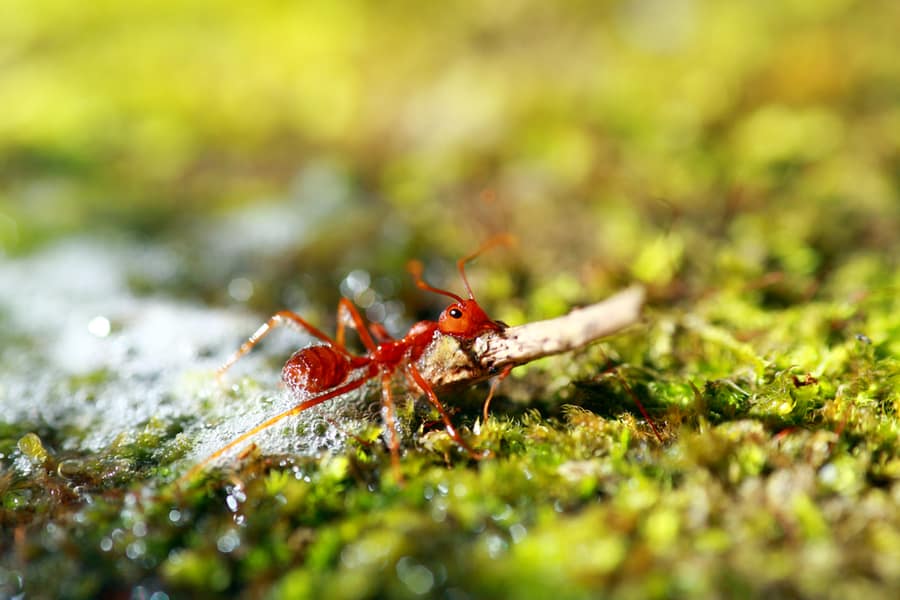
135 549
355 283
99 326
496 545
517 532
376 312
139 529
240 288
69 468
439 508
415 576
228 542
365 298
504 514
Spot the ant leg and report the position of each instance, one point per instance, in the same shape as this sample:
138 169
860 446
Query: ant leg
333 393
615 371
639 405
494 384
346 309
283 317
379 332
387 406
432 397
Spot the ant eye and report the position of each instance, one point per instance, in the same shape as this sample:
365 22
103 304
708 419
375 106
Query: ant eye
455 313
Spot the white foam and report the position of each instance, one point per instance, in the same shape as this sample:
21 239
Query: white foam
159 356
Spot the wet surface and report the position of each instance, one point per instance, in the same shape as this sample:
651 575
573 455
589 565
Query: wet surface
170 178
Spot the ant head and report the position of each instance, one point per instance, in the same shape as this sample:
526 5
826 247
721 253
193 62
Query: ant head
466 319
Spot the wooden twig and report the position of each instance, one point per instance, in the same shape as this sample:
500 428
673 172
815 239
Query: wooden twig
450 362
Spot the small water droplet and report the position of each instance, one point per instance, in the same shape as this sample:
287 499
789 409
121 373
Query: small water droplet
139 529
417 577
355 283
517 532
69 468
99 326
495 545
135 549
240 288
228 542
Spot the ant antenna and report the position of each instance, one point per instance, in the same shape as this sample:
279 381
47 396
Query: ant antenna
504 239
415 267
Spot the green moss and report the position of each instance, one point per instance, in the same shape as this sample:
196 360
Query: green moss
740 160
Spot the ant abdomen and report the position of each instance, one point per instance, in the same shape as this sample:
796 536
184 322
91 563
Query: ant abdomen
315 369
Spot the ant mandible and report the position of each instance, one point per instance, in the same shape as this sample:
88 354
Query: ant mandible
328 370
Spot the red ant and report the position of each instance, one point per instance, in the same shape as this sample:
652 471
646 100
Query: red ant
329 370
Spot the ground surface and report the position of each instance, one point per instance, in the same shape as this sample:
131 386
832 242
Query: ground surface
171 178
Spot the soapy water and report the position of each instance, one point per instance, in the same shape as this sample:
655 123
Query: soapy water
84 352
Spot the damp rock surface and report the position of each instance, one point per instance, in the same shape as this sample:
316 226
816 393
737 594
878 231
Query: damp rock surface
171 177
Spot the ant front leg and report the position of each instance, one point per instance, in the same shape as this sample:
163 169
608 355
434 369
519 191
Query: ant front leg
496 382
413 372
283 317
616 372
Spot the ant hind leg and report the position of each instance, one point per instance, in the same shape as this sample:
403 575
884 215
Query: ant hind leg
314 401
387 405
283 317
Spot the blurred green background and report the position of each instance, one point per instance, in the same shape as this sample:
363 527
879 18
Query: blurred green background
601 130
741 159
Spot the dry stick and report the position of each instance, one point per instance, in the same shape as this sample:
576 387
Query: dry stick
449 362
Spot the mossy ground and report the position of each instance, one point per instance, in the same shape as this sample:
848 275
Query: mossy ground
216 164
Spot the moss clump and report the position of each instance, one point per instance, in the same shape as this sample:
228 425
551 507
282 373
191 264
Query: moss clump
162 183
